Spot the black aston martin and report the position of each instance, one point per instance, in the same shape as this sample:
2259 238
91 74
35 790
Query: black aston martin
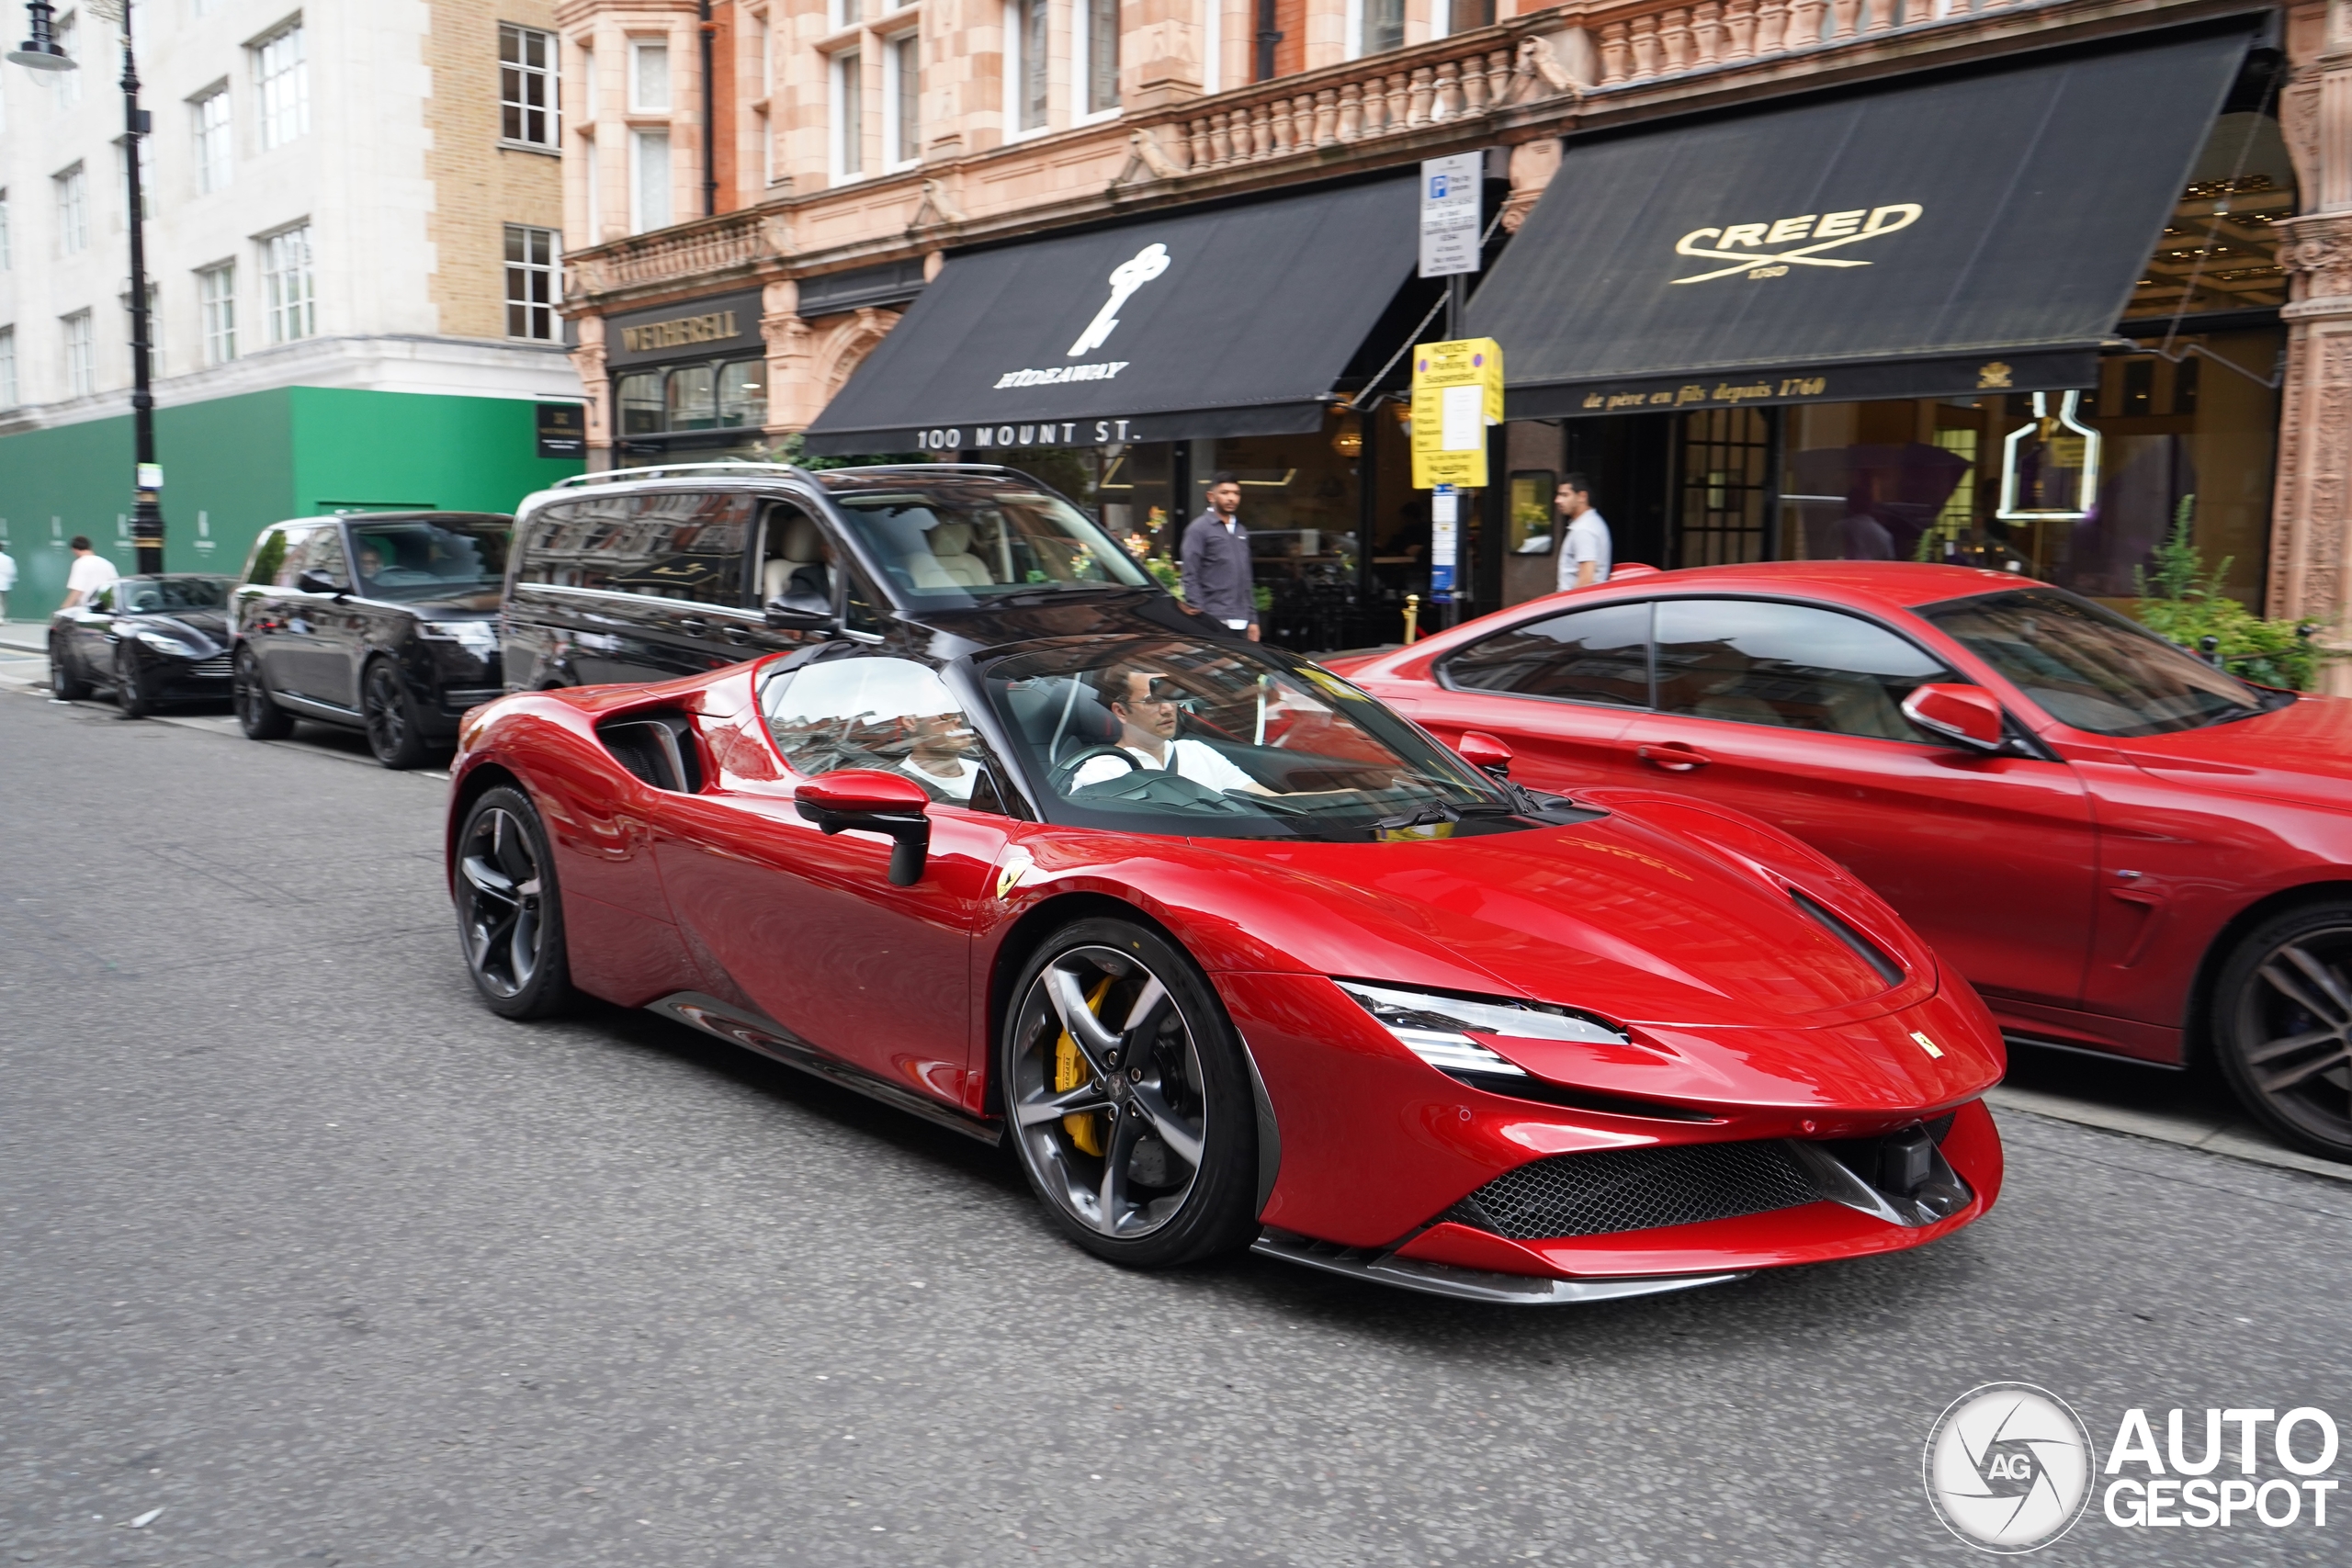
152 639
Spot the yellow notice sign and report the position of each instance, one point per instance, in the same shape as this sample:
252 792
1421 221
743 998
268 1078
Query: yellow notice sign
1457 393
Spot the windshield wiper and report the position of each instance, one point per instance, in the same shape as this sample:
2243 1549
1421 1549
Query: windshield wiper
1420 817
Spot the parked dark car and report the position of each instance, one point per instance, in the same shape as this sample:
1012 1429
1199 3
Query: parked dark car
652 574
383 621
157 637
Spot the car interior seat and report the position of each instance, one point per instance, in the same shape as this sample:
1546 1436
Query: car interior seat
1061 715
793 543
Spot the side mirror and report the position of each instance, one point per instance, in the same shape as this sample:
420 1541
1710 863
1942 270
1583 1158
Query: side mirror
800 612
879 802
1968 717
319 582
1482 752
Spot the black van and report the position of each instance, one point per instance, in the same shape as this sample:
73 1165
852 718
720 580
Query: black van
647 574
386 622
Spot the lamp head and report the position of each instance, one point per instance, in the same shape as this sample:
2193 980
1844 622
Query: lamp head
41 50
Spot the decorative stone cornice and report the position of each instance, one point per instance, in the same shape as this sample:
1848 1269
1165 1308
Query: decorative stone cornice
2316 251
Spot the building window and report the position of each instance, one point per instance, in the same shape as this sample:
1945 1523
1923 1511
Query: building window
1378 25
1099 20
846 13
286 285
902 99
648 78
729 395
81 361
7 368
849 115
649 158
72 211
216 290
1028 84
216 157
1448 18
530 283
283 81
526 104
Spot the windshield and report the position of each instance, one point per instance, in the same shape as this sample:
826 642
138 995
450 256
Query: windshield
2089 667
417 559
146 597
1166 735
967 539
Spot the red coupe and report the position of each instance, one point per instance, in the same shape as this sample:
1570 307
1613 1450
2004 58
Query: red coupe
2124 849
1233 956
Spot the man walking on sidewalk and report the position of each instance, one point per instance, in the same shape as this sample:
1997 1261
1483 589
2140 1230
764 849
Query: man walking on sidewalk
7 580
89 572
1585 551
1216 559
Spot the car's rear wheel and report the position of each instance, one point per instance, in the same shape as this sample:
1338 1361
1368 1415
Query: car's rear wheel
393 733
510 912
1126 1098
2282 1026
258 713
130 693
63 683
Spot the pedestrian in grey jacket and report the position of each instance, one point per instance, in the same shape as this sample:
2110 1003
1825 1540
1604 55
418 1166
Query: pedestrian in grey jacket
1216 559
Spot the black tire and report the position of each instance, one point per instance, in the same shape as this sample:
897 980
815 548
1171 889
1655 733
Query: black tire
63 685
130 683
258 713
394 735
1102 1126
509 911
2282 1026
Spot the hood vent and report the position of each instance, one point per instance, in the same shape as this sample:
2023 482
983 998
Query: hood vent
1869 951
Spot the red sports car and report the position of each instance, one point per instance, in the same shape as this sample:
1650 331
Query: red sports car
1232 955
2124 848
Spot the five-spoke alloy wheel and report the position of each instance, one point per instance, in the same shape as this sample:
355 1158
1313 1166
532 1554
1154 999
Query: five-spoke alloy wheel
2282 1026
130 693
258 713
1127 1097
393 733
510 920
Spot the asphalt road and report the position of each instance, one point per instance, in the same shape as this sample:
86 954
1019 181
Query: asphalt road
302 1247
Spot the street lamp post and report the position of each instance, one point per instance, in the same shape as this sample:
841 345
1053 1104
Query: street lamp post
42 53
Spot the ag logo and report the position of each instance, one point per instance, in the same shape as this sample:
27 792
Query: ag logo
2008 1467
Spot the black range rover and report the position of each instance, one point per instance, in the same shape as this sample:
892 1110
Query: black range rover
386 622
650 574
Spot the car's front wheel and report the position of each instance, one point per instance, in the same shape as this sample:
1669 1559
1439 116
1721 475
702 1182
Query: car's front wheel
258 713
393 733
63 683
1127 1097
2282 1026
130 693
510 913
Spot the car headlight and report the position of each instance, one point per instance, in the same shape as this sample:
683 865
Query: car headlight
476 637
172 647
1438 1028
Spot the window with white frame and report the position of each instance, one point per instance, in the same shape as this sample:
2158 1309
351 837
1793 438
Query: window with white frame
1448 18
216 150
649 180
287 299
648 77
527 86
282 81
1028 82
849 114
67 84
902 99
1376 27
846 13
72 211
216 293
1097 50
81 355
531 284
7 368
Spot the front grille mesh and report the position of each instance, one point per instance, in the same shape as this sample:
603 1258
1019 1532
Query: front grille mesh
1634 1190
218 665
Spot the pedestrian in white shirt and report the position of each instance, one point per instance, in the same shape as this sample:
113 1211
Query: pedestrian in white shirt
1583 552
1145 703
7 580
90 572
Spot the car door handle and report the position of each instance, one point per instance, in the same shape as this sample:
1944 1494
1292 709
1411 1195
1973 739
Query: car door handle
738 634
1673 756
693 626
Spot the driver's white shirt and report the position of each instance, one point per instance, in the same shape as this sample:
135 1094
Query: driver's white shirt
1193 759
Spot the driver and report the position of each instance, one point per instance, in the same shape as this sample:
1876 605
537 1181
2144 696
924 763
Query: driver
1144 702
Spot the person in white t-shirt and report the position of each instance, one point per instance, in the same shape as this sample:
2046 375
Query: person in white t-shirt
7 577
1584 551
1150 715
940 760
89 572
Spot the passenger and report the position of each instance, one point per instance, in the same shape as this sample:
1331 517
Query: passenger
940 760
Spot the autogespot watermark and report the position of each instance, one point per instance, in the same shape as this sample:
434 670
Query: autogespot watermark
2011 1468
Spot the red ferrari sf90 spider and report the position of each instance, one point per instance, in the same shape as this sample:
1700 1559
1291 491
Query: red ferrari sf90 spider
1232 955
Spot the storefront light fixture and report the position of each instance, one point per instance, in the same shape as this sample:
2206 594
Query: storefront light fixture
2045 431
41 52
1347 440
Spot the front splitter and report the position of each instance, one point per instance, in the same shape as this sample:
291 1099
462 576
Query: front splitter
1469 1284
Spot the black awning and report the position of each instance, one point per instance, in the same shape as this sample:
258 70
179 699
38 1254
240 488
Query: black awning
1238 321
1971 233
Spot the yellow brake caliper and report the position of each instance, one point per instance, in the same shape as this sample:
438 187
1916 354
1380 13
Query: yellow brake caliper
1069 1071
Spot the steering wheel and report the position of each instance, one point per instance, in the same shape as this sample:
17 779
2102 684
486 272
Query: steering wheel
1059 779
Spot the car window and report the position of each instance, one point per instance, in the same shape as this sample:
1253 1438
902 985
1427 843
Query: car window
316 548
1602 655
892 715
417 558
1762 662
670 544
949 542
2088 667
